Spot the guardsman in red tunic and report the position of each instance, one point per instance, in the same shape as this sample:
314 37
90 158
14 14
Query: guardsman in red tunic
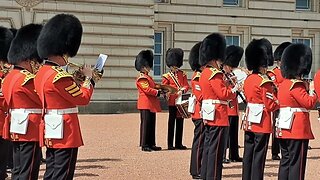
198 136
294 119
177 79
233 57
276 76
60 95
215 93
148 103
6 37
262 101
23 102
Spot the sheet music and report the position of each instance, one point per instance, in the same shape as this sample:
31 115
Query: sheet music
101 61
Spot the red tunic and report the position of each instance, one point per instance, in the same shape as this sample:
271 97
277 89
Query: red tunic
196 90
3 110
61 92
317 83
276 76
256 87
147 94
183 81
23 96
292 93
214 87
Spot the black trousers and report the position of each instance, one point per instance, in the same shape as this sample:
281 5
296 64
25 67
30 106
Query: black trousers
254 157
231 138
174 120
3 158
275 149
26 160
10 155
147 128
60 163
293 159
213 151
197 147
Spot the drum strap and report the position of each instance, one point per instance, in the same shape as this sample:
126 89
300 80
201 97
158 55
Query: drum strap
175 80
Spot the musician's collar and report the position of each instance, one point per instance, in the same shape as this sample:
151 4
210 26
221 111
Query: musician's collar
51 63
18 67
144 72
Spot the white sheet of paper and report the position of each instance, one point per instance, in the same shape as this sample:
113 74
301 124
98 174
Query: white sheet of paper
101 61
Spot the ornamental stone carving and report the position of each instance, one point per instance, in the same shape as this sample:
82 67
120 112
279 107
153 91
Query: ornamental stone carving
28 3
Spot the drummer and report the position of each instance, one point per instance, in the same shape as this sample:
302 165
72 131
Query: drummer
177 79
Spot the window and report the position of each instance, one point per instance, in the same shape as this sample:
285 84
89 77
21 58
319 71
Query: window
158 54
231 2
233 40
303 4
305 41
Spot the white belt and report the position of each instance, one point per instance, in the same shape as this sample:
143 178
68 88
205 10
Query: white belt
296 109
30 111
62 111
215 101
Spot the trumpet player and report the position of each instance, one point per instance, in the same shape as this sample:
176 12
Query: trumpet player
261 99
233 57
60 132
6 37
276 76
23 102
177 79
215 94
148 103
198 136
294 119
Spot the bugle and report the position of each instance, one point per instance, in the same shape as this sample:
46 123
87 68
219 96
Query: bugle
79 76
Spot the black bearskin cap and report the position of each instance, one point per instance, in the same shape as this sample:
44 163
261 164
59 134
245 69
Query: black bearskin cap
296 61
14 31
24 45
6 37
213 47
233 56
194 57
279 50
61 35
258 54
143 59
174 57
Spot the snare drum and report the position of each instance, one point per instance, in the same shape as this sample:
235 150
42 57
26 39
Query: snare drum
182 103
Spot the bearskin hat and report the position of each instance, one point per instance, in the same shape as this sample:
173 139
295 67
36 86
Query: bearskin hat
143 59
233 56
296 61
258 54
213 47
6 37
24 45
174 57
194 57
61 35
279 50
14 31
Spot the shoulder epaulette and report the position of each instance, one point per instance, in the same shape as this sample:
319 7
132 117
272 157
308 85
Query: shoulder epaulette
141 75
197 76
265 80
28 76
295 81
166 75
215 71
61 73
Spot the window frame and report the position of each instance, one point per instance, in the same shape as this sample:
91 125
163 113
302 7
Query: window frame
233 35
303 39
305 9
158 54
239 3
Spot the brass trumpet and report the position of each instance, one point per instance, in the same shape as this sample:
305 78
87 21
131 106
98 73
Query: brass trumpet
78 75
166 88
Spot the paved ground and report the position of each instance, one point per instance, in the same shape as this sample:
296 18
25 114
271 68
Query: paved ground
111 151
